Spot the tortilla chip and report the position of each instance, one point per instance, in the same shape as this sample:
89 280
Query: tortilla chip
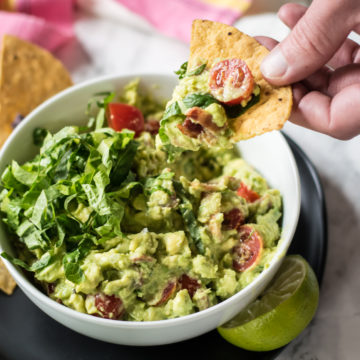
28 76
7 283
212 42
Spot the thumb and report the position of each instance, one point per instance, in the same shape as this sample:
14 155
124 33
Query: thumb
312 42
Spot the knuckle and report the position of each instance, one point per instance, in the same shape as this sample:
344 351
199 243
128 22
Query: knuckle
310 41
355 55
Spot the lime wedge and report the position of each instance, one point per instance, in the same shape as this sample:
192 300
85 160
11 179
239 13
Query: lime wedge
280 313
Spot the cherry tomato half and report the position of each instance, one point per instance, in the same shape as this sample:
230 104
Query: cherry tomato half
122 116
248 194
109 306
247 252
231 81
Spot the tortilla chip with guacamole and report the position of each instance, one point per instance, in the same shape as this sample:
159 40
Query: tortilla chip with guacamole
222 96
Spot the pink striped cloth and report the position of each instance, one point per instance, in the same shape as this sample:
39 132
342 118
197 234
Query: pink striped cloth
174 17
49 23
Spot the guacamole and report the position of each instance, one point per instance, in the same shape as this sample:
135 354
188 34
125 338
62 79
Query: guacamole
109 227
204 103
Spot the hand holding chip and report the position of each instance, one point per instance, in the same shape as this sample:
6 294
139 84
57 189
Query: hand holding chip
322 63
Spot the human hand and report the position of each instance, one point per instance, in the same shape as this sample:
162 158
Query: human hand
318 54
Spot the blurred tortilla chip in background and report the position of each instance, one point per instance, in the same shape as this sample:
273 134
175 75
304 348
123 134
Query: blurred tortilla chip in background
239 5
7 283
28 76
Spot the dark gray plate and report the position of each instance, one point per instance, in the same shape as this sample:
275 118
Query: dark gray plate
27 333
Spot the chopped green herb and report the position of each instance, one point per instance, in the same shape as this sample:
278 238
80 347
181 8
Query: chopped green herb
197 71
237 110
182 71
200 100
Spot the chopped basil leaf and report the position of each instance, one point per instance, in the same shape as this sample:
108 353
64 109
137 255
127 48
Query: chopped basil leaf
172 110
200 100
237 110
182 72
197 71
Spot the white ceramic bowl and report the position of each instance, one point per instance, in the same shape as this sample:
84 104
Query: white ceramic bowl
269 153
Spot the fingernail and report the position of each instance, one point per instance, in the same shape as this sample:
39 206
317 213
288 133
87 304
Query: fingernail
274 65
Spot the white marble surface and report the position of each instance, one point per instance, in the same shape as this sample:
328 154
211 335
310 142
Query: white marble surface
118 42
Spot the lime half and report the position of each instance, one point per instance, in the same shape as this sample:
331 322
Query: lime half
281 313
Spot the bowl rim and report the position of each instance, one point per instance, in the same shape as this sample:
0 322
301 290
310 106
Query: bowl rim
28 287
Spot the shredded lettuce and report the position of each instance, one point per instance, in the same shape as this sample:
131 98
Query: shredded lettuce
70 196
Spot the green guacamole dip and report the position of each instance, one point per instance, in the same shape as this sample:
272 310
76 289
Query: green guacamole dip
210 125
108 227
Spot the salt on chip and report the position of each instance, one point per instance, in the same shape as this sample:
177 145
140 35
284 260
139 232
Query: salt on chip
7 283
212 42
28 76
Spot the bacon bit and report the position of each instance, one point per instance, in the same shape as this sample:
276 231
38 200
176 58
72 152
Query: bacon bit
202 117
190 129
197 121
167 292
152 126
188 283
233 219
51 288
